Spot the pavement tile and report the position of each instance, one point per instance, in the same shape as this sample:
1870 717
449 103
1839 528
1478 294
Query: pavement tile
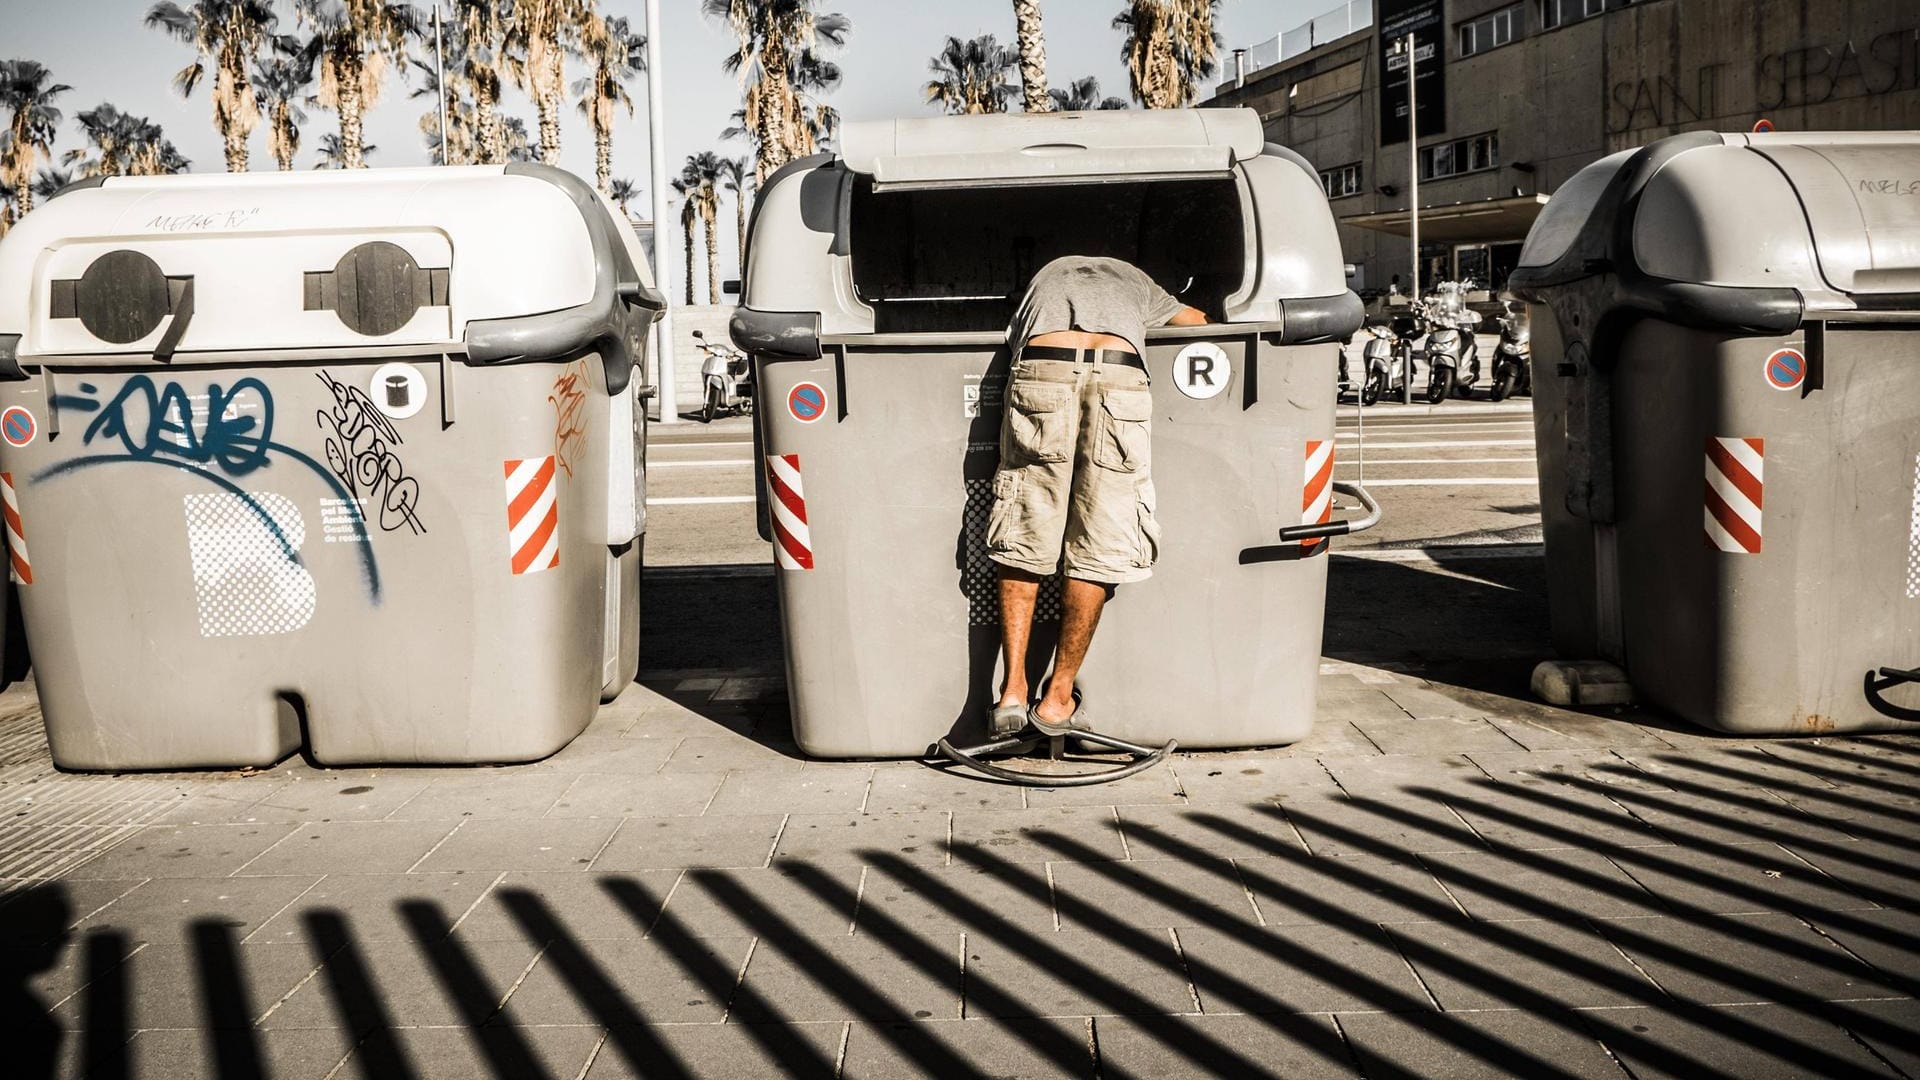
1736 959
1243 780
46 910
1329 736
1590 768
609 754
1339 704
221 802
1475 1046
455 1053
840 790
1889 940
1568 730
183 851
1560 816
538 844
1892 1028
164 910
372 904
1075 974
716 753
484 793
984 837
1165 892
1681 1042
44 976
1876 871
369 985
648 795
1531 964
1887 759
1389 826
721 1050
1737 880
1536 884
1026 1048
1742 768
855 839
630 980
1220 830
1307 1047
1428 703
1297 969
1435 735
870 977
1343 890
660 843
1389 773
671 720
803 900
346 847
1152 786
167 986
590 905
323 795
192 1053
896 899
899 787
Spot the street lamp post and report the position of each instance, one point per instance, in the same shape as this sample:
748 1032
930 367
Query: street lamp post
1413 198
657 152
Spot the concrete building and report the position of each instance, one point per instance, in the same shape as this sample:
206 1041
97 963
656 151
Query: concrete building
1514 96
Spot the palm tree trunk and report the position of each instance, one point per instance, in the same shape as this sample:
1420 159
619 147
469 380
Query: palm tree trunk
689 231
350 132
713 261
23 193
487 121
549 108
740 219
236 148
603 158
1033 55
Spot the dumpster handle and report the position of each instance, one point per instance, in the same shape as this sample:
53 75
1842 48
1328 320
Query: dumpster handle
1888 678
1338 528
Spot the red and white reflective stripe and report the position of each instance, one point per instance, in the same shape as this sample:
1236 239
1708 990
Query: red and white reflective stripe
16 535
1735 482
1316 488
533 515
792 543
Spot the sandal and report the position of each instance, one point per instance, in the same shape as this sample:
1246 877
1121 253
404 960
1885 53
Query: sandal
1006 720
1075 721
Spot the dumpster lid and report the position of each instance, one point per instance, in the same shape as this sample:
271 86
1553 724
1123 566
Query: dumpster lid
1037 148
1862 201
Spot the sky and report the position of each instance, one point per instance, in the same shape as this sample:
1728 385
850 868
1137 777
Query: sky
102 50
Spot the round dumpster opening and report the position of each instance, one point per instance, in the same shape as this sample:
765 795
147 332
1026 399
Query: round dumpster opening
122 296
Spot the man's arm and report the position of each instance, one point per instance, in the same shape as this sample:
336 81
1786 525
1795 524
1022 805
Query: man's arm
1188 316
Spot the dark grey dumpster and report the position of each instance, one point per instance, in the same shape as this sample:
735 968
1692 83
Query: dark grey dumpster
1727 407
879 285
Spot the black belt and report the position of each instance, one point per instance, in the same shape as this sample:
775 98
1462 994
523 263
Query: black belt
1091 356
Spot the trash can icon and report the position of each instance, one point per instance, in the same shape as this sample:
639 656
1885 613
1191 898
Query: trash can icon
329 458
879 284
1727 426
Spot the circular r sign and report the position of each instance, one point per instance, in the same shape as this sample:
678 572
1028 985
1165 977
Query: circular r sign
1202 370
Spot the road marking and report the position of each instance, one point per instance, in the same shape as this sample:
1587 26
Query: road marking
1437 445
1441 461
1455 552
1445 427
698 445
713 461
1457 481
697 500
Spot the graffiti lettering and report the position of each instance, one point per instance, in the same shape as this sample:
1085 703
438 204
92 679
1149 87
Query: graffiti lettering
1890 187
569 419
360 451
218 219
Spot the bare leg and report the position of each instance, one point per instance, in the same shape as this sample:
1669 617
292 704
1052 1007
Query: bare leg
1080 617
1018 592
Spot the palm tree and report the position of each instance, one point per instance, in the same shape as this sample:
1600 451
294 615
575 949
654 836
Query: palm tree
779 64
460 133
354 41
734 180
514 145
1033 55
622 191
617 55
703 171
332 153
685 187
27 90
538 35
972 76
1082 95
480 28
49 180
281 82
226 34
1170 45
7 202
123 145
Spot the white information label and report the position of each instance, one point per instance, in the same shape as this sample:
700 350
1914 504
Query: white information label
1202 370
398 390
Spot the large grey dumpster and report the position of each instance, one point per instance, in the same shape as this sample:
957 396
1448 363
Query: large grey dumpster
354 447
1728 422
879 285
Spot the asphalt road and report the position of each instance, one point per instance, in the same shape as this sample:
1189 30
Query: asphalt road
1456 474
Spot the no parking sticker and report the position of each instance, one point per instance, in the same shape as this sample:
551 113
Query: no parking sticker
18 426
1786 369
1202 370
807 402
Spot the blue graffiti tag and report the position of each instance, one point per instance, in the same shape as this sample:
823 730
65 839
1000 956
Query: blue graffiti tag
234 438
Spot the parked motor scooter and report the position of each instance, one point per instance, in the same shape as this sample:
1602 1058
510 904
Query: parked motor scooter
1513 361
1381 352
728 379
1453 357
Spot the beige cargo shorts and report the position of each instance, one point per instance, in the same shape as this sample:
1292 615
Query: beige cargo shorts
1073 491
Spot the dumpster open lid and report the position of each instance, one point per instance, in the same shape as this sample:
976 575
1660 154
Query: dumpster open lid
1861 198
1038 148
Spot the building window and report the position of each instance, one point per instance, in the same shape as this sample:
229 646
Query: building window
1473 154
1555 13
1490 31
1342 181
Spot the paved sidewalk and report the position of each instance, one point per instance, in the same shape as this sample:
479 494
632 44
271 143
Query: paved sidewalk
1444 880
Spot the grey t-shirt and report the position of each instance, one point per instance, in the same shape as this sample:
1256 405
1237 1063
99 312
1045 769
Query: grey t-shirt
1094 295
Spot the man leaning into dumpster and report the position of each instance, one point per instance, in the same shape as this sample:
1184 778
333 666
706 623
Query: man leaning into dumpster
1073 493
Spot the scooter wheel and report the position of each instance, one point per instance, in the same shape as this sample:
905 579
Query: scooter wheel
1440 385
